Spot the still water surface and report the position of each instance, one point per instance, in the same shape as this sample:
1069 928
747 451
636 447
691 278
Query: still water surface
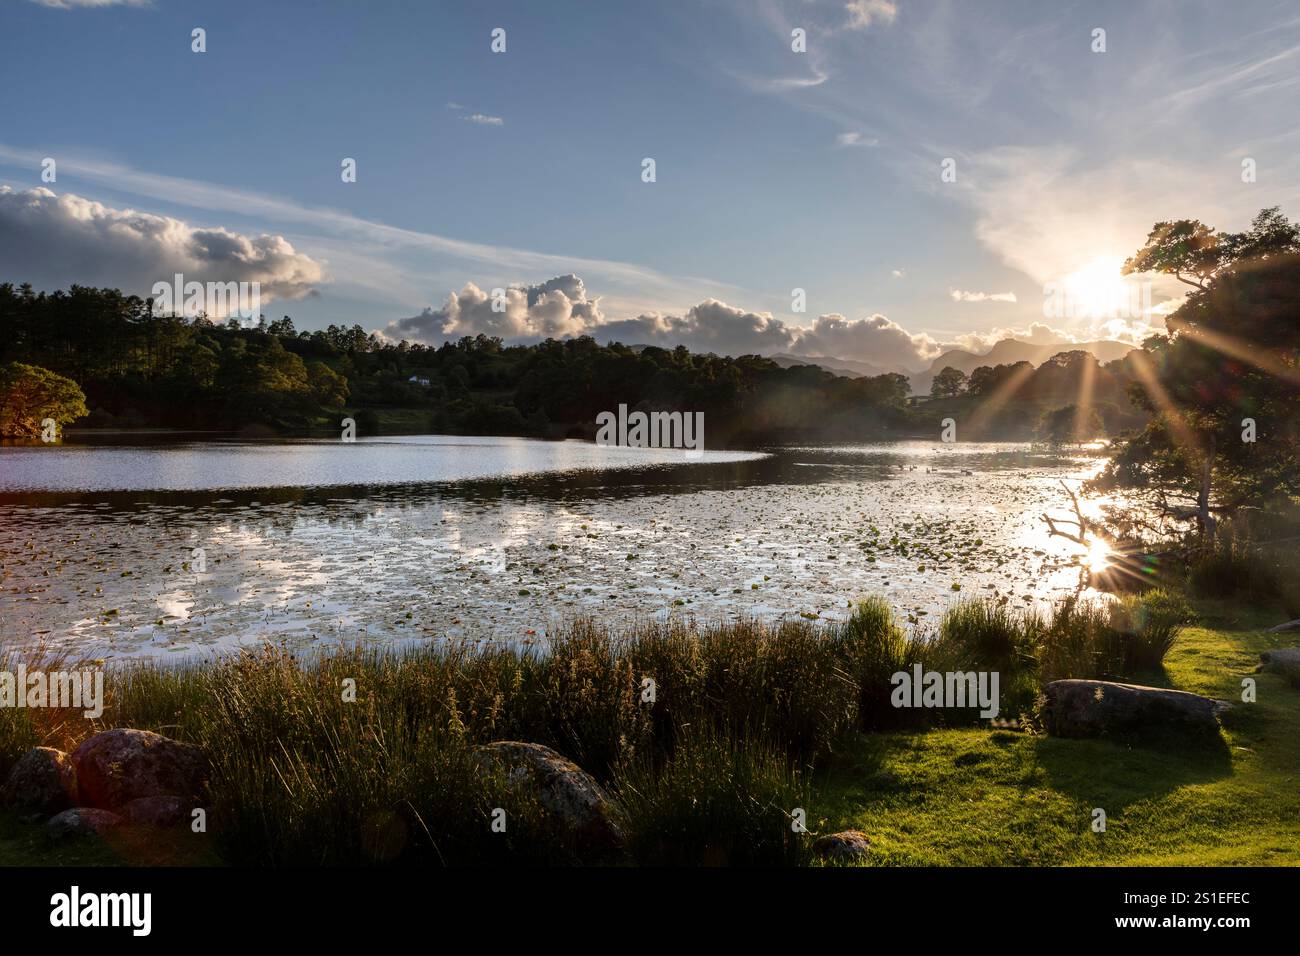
430 538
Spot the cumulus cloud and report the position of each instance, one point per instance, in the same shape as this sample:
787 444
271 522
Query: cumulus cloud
556 308
1038 333
53 241
561 307
863 13
959 296
1132 331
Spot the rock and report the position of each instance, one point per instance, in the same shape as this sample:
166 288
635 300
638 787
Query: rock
1096 708
563 789
42 781
118 766
1288 626
82 821
849 846
161 812
1283 660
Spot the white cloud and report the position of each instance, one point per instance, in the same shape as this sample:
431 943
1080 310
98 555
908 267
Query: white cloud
959 296
557 308
561 307
409 250
854 138
53 241
73 4
898 273
863 13
1037 333
481 119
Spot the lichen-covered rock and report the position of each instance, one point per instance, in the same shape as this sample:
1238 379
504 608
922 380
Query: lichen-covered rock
81 822
848 846
561 787
42 781
1098 708
162 811
118 766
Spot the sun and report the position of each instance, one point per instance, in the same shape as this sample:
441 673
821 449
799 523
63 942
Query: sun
1098 555
1098 291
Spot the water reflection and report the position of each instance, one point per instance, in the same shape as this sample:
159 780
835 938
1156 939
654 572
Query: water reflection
794 532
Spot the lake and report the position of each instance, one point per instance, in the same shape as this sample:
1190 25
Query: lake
429 538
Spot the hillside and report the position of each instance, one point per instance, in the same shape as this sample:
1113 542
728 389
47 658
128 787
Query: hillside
1010 351
846 367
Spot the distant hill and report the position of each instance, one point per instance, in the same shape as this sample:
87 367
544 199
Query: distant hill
846 367
1010 351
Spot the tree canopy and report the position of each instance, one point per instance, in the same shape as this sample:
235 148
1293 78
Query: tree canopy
29 395
1223 386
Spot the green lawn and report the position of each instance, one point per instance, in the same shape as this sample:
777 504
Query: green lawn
980 798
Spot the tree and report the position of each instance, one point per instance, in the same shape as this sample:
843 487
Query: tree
329 389
1223 386
1068 424
949 383
986 380
29 394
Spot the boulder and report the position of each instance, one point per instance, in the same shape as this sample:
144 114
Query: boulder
118 766
43 781
162 812
1288 626
81 822
1283 660
1097 708
848 846
564 790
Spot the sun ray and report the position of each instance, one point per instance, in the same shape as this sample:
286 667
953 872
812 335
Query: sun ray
994 403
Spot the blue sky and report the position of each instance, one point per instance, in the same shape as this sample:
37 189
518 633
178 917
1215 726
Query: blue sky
775 170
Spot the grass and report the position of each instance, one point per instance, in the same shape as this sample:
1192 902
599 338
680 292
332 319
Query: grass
974 797
707 739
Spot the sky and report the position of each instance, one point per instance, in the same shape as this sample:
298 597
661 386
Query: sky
776 169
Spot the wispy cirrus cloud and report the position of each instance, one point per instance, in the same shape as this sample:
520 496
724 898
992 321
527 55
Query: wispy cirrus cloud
855 138
410 258
480 119
75 4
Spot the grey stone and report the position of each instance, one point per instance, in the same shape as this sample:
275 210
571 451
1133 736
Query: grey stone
1095 708
82 822
43 781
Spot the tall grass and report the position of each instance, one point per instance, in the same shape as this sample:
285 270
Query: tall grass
717 801
702 734
1230 567
1148 627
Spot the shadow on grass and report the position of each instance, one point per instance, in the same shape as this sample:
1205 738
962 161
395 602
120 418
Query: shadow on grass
1131 769
25 843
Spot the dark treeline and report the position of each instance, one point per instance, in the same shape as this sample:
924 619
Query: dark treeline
142 369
